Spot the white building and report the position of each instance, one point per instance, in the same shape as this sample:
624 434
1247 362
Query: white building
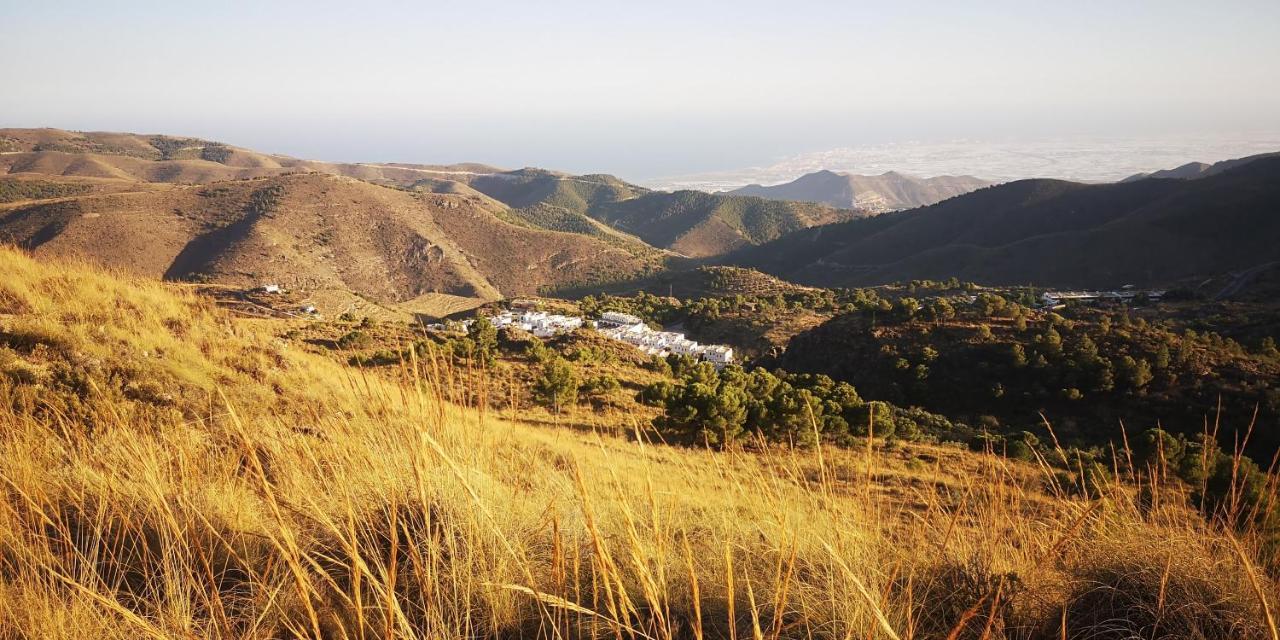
539 323
616 319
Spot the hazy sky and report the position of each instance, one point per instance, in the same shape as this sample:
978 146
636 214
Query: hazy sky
640 89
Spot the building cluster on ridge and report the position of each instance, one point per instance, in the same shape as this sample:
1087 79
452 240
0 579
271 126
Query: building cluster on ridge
1055 299
539 323
616 326
630 329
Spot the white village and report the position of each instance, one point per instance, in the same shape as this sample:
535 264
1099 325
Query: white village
616 326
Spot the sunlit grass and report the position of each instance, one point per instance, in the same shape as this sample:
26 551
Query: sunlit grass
364 506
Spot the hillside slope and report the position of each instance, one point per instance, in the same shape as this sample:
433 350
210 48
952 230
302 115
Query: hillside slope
600 207
699 225
314 231
691 223
1050 232
175 473
889 191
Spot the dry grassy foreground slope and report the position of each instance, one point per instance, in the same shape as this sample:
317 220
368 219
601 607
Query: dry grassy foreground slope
315 501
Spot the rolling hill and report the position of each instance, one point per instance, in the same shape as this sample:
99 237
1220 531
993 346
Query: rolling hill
1050 232
602 207
315 232
690 223
889 191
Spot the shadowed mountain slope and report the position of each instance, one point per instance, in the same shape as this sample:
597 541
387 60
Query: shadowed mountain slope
1050 232
1193 170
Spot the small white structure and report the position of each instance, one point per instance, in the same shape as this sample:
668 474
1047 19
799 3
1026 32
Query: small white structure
616 319
309 309
270 288
719 355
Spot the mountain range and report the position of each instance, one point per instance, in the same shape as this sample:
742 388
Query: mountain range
1049 232
407 235
1193 170
890 191
190 209
688 223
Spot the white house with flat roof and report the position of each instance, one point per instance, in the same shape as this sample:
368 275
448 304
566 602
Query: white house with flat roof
617 319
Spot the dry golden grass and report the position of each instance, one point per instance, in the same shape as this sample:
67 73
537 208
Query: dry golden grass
385 511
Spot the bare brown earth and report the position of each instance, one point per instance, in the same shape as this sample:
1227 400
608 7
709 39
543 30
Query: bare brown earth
312 232
603 207
343 235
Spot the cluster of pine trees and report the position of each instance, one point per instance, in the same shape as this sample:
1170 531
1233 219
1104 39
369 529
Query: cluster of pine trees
705 405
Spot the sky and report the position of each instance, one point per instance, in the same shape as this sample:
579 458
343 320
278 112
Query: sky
639 89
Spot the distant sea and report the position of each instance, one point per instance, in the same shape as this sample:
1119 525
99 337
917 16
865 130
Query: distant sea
1080 159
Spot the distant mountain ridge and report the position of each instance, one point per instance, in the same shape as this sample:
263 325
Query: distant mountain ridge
1049 232
182 208
183 159
392 235
889 191
603 207
1193 170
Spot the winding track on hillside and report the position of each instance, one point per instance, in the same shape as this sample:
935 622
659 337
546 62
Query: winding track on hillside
1242 279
